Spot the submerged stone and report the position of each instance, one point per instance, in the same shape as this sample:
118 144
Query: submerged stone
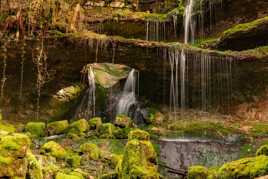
54 149
57 127
92 150
139 135
36 129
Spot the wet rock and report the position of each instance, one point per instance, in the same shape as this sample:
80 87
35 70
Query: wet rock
54 149
139 135
123 121
263 150
36 129
57 127
95 123
91 150
245 36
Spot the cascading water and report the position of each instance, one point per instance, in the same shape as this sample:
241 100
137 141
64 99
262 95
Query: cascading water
128 96
87 107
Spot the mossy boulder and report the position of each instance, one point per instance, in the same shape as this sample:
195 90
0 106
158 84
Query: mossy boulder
72 175
73 159
54 149
79 127
245 36
139 135
123 121
198 172
95 123
34 167
13 150
138 161
263 150
91 150
107 130
244 168
57 127
36 129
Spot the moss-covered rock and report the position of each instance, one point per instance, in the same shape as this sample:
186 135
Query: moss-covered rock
5 127
197 172
13 150
123 121
107 130
79 127
73 175
244 168
54 149
245 36
57 127
263 150
36 129
138 161
73 159
34 167
139 135
91 150
95 123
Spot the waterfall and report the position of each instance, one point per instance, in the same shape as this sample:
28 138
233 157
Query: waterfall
128 96
87 107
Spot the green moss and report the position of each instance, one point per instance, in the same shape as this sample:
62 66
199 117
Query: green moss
36 129
244 27
90 149
95 123
123 121
73 159
244 168
139 135
79 127
199 128
57 127
137 161
107 130
34 167
54 149
197 172
263 150
61 175
259 130
6 127
6 160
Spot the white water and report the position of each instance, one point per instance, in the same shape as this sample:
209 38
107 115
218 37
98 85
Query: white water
128 97
87 107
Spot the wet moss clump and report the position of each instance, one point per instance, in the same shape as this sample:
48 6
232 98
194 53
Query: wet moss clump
263 150
78 127
139 135
95 123
198 172
91 150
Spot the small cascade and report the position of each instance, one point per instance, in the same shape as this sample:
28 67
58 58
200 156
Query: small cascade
87 107
160 30
128 99
40 60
